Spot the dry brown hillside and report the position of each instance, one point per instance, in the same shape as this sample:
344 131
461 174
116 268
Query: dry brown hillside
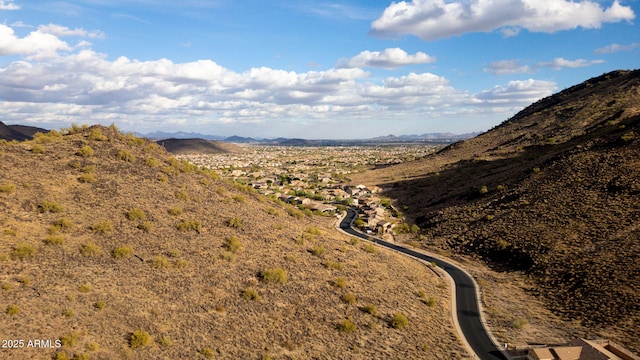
116 249
554 192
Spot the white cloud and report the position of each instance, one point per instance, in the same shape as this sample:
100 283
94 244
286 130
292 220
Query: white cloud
388 59
613 48
81 85
8 5
560 63
59 30
518 93
435 19
36 45
507 67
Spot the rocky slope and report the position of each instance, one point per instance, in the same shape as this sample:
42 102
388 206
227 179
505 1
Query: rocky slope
554 192
197 146
117 250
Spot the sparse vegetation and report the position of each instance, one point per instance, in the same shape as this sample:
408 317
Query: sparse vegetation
122 252
85 151
189 225
126 155
139 339
275 276
233 244
318 250
50 207
370 309
250 294
136 214
102 227
7 188
340 282
54 240
12 309
347 326
398 321
349 298
23 251
235 223
90 249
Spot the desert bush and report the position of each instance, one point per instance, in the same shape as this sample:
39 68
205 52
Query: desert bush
233 244
431 302
174 253
54 240
354 241
70 340
7 188
96 135
189 225
60 225
136 214
93 346
318 250
295 213
37 149
87 178
146 226
340 283
165 341
628 136
313 230
68 313
122 252
90 249
207 352
347 326
139 339
160 262
152 162
275 275
85 288
240 199
12 309
271 211
414 229
85 151
332 265
89 169
398 321
125 155
175 211
519 323
349 298
48 137
228 256
483 189
370 248
100 305
180 263
182 195
250 294
102 227
50 207
235 222
23 251
370 309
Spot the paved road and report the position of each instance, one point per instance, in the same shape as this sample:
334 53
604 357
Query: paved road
466 296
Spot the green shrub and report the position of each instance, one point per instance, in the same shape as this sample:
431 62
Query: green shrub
347 326
54 240
370 248
96 135
275 275
61 225
398 321
175 211
370 309
136 214
240 198
85 288
102 227
70 340
349 298
89 169
126 155
12 309
250 294
313 230
431 302
232 244
160 262
207 352
87 178
139 339
7 188
50 207
235 222
152 162
37 149
100 305
182 195
90 249
23 251
68 313
318 250
271 211
146 226
85 151
340 283
519 323
332 265
122 252
187 225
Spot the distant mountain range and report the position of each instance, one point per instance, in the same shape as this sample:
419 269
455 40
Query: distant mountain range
439 138
18 132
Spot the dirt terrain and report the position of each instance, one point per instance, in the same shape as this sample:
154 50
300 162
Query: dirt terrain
113 249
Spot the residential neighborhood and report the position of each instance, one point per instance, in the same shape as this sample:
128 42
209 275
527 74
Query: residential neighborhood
317 178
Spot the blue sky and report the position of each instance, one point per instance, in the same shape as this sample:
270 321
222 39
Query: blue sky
301 68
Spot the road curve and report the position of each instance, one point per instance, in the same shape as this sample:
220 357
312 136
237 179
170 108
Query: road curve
467 309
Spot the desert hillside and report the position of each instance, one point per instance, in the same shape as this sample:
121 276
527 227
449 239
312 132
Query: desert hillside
553 192
18 132
117 250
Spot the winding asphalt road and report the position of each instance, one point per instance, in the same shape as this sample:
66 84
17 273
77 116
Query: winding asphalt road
466 296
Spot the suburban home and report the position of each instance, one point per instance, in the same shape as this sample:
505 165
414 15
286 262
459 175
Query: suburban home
580 349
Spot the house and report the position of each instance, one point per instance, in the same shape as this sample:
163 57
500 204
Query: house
581 349
314 205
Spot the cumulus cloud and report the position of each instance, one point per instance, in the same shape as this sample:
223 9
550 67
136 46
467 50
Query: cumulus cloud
8 5
613 48
560 63
55 83
435 19
59 30
387 59
507 67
